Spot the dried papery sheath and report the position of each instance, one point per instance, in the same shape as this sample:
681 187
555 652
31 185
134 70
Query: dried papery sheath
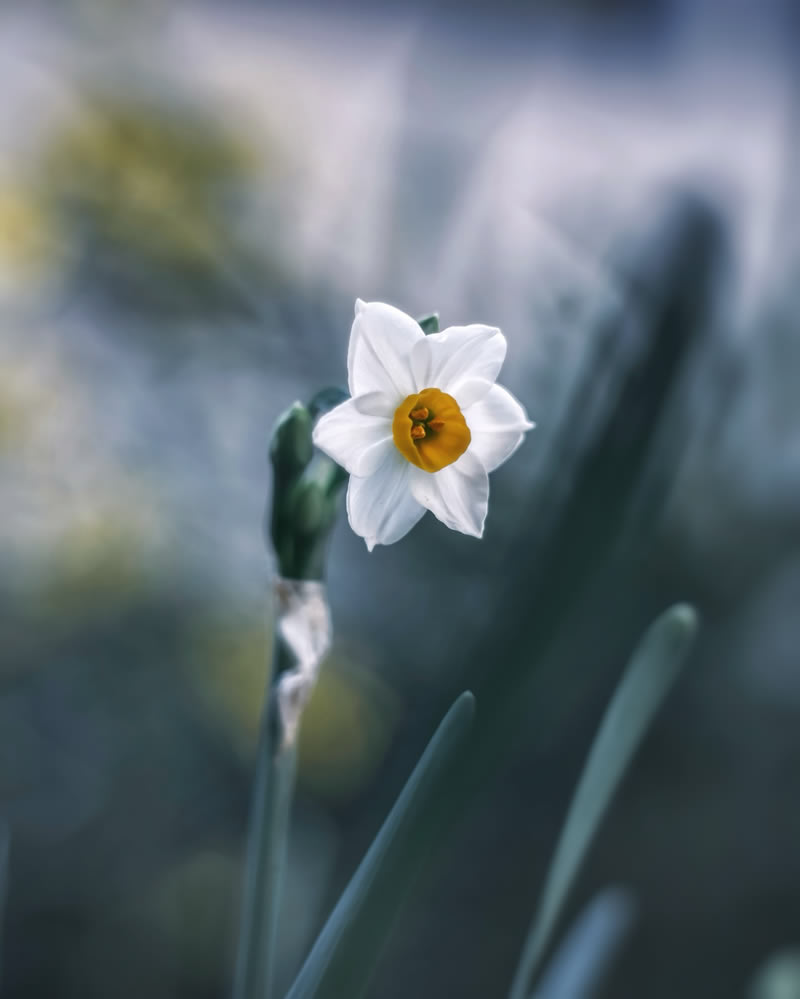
304 627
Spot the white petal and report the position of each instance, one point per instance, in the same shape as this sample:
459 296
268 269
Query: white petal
380 506
497 424
357 442
471 390
378 358
444 360
494 449
457 495
375 404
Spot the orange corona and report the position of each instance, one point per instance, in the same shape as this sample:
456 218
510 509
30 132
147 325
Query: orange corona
429 430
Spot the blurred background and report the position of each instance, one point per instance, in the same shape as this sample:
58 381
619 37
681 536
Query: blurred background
192 195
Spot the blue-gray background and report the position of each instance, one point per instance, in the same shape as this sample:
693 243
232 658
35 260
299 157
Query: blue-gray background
191 198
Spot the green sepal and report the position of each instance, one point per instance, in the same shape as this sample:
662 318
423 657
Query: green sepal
429 323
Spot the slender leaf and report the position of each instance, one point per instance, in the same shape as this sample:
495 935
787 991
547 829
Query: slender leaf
344 955
584 956
5 844
649 676
778 977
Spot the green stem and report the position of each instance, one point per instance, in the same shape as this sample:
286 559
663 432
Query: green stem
273 787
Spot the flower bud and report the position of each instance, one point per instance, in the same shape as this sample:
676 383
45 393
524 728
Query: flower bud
309 514
291 448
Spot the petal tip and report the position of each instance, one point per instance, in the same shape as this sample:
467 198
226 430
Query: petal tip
468 530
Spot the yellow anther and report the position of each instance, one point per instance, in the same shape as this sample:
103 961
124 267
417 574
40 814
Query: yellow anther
418 432
436 424
420 414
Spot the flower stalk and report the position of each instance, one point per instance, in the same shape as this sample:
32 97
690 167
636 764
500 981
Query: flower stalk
302 513
273 787
424 427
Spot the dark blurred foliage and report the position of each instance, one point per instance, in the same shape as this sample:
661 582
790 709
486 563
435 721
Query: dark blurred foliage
191 198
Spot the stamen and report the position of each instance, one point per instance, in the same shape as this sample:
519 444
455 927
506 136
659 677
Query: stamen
418 432
436 424
420 414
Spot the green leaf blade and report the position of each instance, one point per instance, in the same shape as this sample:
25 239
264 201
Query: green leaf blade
648 678
5 846
589 948
342 959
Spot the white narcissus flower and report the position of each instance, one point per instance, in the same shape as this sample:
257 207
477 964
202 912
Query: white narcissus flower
425 425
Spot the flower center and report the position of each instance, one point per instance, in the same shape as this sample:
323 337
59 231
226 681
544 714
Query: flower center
429 430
